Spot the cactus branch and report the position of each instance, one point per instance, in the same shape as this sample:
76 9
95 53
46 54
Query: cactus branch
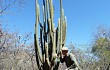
51 39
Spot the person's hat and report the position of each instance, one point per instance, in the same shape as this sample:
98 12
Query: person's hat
64 48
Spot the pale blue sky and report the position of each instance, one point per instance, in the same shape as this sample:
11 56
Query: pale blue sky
83 16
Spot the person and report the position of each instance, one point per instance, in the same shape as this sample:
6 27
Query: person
69 59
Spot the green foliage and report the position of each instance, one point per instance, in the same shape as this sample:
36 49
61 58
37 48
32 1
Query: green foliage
101 46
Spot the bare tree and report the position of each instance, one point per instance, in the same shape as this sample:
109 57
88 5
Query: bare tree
16 52
5 5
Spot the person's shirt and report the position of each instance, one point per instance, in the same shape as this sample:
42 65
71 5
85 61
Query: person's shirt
70 60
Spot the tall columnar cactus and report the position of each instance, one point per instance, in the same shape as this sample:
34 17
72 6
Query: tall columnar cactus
50 40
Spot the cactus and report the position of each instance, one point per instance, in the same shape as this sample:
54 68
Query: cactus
51 39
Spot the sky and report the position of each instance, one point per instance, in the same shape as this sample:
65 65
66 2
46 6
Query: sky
83 16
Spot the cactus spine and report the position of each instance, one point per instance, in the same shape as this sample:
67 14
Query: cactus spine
51 39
